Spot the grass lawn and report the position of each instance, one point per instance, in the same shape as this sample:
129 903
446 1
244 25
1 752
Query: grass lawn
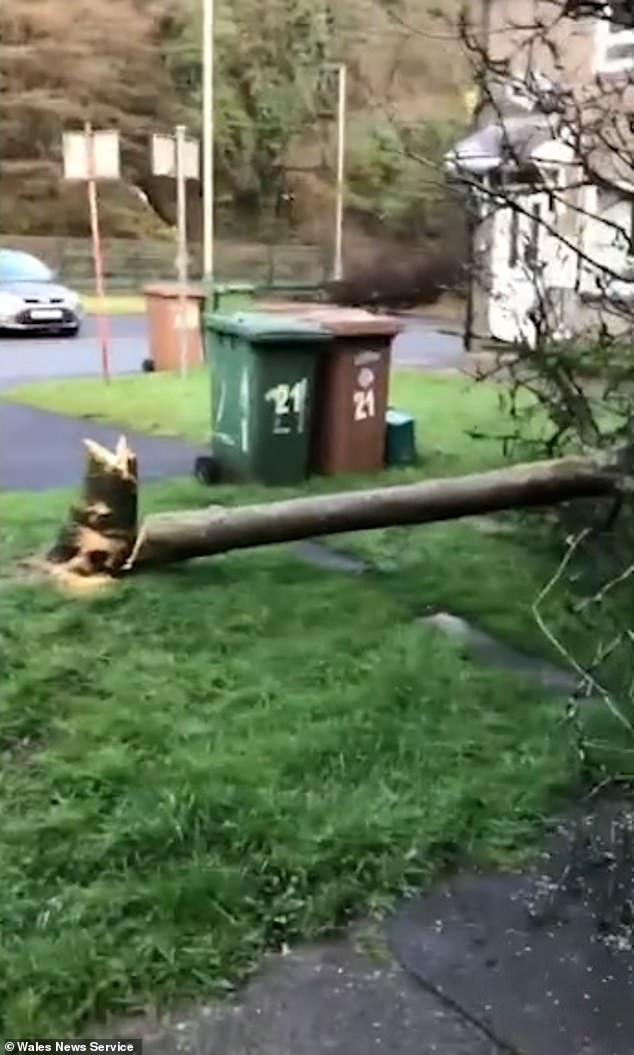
114 304
202 763
205 762
445 407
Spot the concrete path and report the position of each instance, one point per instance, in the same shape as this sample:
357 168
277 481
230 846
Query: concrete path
40 451
543 961
336 998
539 963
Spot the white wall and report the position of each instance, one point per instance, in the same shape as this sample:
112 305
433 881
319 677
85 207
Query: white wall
606 235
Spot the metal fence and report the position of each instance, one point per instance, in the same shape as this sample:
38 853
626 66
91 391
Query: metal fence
129 263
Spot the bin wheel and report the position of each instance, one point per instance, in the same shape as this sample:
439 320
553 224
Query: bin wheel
207 470
147 366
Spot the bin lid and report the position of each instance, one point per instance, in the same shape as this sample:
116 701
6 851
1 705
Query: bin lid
397 418
172 290
352 322
288 286
260 328
233 287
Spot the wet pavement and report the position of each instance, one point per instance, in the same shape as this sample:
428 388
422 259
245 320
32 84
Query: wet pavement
543 961
40 451
24 359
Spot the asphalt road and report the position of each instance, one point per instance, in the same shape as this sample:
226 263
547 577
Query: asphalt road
24 359
35 359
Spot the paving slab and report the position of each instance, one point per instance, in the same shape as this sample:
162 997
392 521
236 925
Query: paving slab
544 960
40 450
323 555
328 999
493 652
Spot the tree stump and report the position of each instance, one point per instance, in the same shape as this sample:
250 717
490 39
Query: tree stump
99 534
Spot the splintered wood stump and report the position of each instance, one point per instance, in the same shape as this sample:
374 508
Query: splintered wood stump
99 534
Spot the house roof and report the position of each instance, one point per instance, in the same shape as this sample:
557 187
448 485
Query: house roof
511 141
523 113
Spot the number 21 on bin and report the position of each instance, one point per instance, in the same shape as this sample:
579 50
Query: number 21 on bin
288 400
363 398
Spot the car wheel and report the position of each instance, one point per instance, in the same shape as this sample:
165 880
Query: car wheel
147 366
74 332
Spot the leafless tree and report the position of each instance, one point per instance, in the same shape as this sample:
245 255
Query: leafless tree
548 176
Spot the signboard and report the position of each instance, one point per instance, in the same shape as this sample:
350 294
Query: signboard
164 157
105 153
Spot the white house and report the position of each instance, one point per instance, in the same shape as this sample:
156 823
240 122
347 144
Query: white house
550 174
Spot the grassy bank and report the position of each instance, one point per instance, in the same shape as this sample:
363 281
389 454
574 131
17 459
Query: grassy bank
203 763
114 304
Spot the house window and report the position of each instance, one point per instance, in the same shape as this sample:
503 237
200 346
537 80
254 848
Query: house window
615 38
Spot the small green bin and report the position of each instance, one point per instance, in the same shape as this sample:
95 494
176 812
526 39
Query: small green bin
263 369
293 290
400 438
231 296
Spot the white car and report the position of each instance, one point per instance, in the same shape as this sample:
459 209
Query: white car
31 301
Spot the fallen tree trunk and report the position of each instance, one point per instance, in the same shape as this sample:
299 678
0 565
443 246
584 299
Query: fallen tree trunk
100 537
185 535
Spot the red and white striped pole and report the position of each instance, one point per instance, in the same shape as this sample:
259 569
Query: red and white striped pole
97 254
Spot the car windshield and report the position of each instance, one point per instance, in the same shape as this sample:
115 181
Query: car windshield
21 267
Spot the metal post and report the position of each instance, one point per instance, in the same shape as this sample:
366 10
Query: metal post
181 254
341 154
208 139
97 253
467 336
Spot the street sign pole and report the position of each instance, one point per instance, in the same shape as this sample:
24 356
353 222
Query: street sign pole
338 270
181 210
97 252
208 139
177 157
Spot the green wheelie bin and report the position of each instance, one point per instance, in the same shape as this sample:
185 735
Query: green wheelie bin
263 370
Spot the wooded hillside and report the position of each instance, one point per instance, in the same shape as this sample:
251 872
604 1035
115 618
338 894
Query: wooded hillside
135 65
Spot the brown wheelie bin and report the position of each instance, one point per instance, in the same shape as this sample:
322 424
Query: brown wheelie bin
352 391
163 302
